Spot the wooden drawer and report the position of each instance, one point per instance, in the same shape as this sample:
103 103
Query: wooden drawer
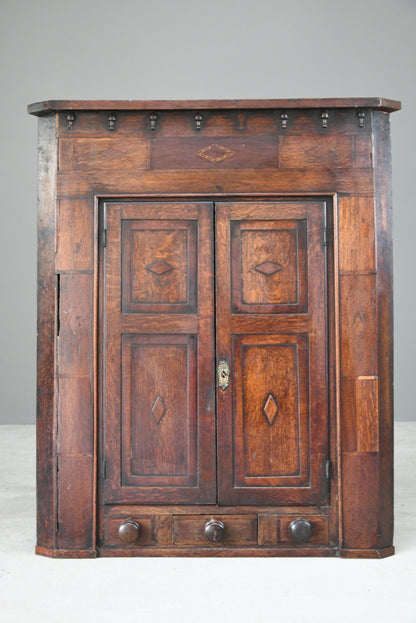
240 530
319 531
147 535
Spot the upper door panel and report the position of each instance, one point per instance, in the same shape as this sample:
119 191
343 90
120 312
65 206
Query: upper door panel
157 373
272 330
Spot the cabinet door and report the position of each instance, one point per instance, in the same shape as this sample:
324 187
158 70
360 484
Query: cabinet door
157 353
272 333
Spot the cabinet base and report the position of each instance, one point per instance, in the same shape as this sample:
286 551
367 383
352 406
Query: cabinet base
65 553
383 552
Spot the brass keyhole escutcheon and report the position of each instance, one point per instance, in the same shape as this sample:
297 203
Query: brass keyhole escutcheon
223 374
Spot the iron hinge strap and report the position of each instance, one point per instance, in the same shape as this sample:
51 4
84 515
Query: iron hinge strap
328 469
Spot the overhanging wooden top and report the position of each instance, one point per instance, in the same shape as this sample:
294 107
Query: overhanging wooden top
51 106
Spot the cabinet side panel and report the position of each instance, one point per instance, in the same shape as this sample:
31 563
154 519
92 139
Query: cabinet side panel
383 206
46 470
366 359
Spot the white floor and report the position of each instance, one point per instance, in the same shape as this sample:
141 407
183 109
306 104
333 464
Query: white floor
36 589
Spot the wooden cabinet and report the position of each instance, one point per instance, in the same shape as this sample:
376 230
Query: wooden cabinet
215 328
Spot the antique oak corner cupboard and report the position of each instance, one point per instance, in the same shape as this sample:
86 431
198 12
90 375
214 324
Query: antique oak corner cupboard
215 328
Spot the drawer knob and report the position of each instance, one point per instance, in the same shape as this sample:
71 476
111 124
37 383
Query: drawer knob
215 530
129 531
300 530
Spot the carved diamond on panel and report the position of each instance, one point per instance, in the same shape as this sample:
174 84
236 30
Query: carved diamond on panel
270 409
215 153
268 268
158 409
159 268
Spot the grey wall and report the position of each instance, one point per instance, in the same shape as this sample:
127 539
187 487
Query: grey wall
180 49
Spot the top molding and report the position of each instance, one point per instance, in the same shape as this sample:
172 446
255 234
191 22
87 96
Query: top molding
51 106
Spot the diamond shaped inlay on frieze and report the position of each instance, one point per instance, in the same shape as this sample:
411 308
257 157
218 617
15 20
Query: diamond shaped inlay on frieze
270 409
215 153
268 268
158 409
159 268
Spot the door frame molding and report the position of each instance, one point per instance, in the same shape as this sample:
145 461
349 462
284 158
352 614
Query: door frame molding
334 372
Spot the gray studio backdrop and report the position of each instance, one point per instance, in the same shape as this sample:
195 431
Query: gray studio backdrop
183 49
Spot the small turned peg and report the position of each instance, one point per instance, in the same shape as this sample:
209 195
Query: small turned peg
215 530
70 120
300 530
153 120
129 531
111 122
361 117
284 117
324 117
198 121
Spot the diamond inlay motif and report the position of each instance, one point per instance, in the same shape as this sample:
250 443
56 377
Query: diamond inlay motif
270 409
159 268
215 153
268 268
158 409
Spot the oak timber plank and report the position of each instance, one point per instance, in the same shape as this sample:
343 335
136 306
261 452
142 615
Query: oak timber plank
39 108
46 305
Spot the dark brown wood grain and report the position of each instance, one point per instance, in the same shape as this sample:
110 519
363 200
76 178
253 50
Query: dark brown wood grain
158 385
295 196
272 421
46 331
358 102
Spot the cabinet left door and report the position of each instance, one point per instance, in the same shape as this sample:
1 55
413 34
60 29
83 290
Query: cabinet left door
156 353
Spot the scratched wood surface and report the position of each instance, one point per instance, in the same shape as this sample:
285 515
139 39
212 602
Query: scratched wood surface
305 152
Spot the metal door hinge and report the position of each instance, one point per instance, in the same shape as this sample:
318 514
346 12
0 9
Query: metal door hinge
104 238
104 470
328 469
326 236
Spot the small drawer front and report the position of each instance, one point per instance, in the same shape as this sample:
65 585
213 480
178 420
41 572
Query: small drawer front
319 527
238 530
146 532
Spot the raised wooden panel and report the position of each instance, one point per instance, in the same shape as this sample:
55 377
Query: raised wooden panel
360 414
356 234
75 495
75 426
74 236
358 325
158 379
269 267
331 151
271 416
272 419
361 490
159 402
159 266
239 530
223 152
86 154
75 324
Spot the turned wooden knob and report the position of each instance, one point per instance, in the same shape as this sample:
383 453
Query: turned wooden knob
215 530
300 530
129 531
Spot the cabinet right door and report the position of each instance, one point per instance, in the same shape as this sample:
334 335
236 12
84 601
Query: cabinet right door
272 334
